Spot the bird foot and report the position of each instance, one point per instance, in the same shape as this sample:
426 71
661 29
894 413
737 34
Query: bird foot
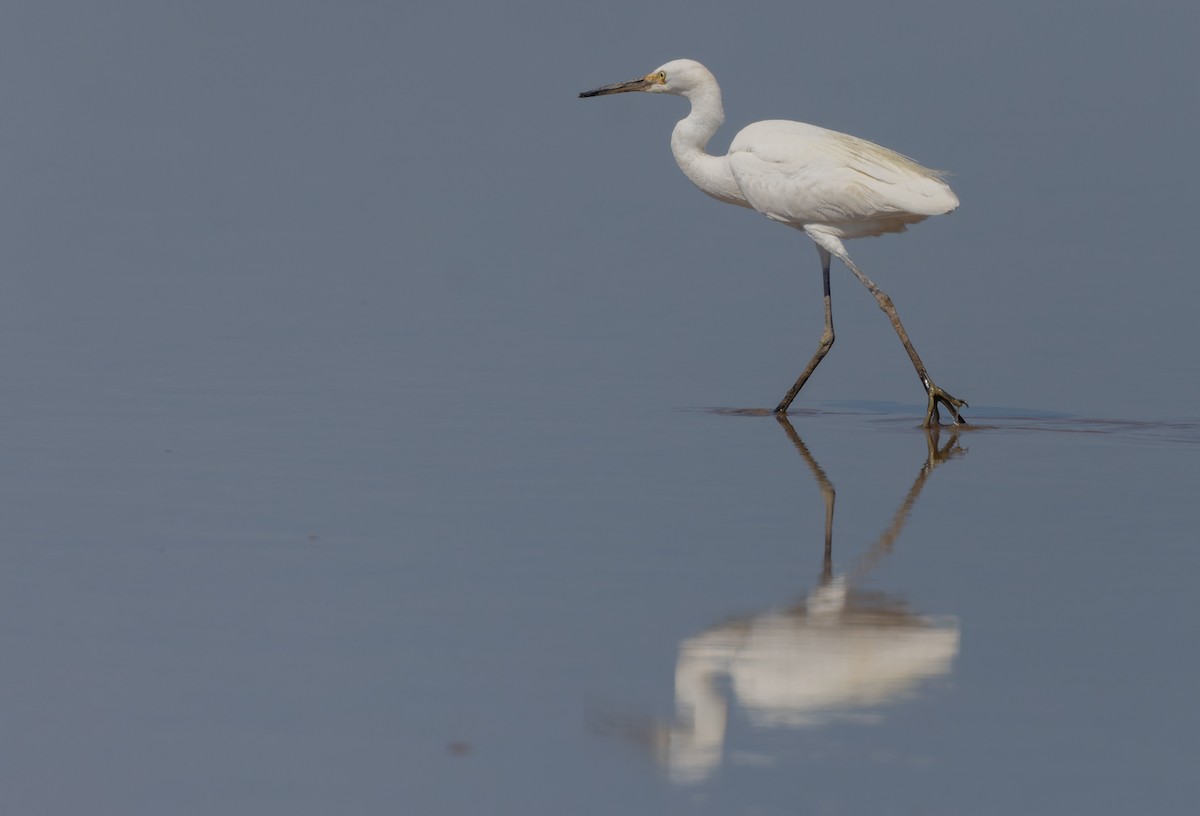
933 416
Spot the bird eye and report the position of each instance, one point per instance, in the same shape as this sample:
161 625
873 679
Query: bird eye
662 76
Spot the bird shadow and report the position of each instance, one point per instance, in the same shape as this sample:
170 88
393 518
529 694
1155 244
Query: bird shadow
1006 419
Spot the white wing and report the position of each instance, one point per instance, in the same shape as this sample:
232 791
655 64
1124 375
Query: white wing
806 175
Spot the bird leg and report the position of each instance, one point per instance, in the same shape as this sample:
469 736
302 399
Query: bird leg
936 395
826 340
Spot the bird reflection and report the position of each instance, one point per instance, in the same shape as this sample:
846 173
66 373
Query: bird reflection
834 654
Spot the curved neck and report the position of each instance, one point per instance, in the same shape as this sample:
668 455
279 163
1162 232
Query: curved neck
692 133
690 138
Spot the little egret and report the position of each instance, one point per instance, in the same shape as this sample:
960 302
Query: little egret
828 184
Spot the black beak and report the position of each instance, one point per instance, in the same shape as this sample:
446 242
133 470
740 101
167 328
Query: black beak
620 87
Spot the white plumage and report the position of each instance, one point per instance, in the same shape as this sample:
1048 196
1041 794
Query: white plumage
804 175
831 185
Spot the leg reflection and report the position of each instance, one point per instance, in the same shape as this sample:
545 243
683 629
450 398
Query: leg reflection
836 653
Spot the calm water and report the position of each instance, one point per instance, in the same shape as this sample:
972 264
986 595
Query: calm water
253 606
368 444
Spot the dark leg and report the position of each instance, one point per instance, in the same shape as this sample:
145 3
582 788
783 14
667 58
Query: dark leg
826 338
936 395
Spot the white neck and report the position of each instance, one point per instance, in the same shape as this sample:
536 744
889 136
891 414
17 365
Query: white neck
689 139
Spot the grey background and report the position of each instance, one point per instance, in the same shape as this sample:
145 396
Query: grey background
344 354
175 172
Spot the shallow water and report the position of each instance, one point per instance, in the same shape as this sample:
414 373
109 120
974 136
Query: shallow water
642 612
383 444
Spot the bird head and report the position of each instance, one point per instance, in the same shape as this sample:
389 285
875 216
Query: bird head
678 77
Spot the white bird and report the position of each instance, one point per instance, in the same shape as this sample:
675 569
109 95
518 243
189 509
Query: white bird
831 185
